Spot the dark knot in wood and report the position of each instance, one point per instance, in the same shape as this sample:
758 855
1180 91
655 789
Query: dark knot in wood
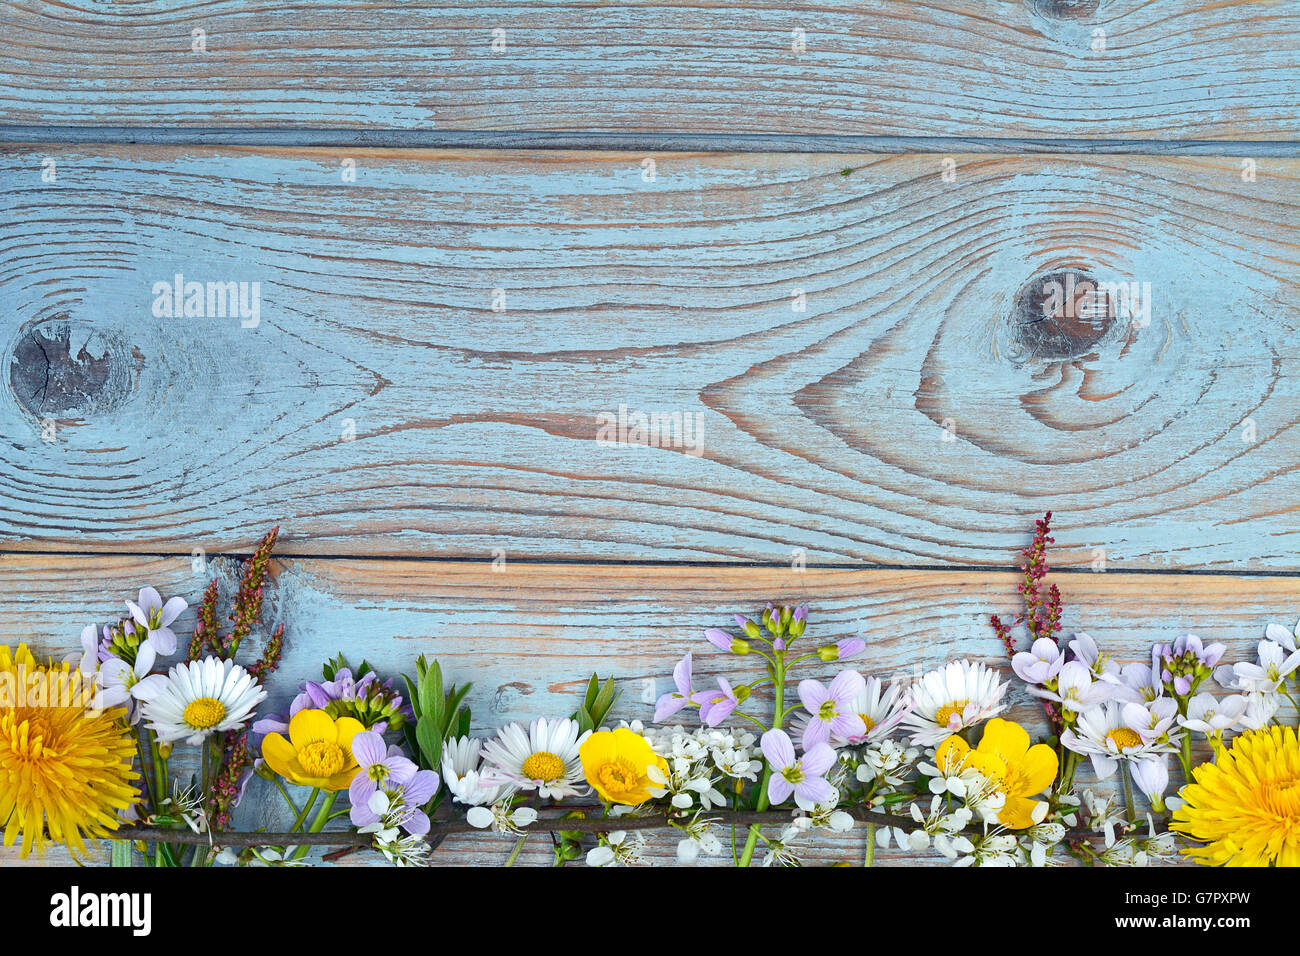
60 370
1062 315
1067 9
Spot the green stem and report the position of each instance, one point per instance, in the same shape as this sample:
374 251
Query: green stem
778 711
871 846
519 845
306 809
1129 803
1185 756
318 821
287 799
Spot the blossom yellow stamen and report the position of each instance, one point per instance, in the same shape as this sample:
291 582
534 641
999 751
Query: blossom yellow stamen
943 716
322 759
204 712
544 766
1123 737
618 778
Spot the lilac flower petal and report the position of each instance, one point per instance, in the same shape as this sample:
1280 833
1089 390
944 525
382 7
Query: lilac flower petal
667 705
682 675
172 610
417 824
847 685
847 725
361 789
163 641
401 770
816 732
421 788
818 760
368 747
814 790
812 695
718 638
778 749
778 790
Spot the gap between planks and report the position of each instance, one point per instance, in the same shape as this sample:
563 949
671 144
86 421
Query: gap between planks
633 142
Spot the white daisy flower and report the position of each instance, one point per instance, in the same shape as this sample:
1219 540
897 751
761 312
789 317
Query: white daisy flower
543 758
197 699
460 771
1117 731
958 695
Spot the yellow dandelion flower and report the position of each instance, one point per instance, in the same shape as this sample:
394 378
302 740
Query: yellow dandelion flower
1246 807
65 768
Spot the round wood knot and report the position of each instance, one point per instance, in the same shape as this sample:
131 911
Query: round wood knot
1067 9
1063 315
62 369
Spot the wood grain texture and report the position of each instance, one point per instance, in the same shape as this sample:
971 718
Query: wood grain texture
919 411
528 635
1178 69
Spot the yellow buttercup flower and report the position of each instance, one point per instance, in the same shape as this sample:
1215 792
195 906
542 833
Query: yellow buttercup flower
65 768
615 763
318 752
1245 807
1005 757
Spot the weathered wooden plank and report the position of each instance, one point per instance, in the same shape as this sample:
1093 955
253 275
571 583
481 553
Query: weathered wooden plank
527 635
919 410
1179 69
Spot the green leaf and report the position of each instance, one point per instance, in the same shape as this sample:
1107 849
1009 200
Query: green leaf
431 696
412 694
430 740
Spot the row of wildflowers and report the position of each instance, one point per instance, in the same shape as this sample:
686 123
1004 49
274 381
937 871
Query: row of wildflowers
745 772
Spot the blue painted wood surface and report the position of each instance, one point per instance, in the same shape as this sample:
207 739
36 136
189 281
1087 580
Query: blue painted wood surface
1177 69
437 344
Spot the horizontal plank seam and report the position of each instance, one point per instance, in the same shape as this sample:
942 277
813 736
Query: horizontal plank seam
637 142
655 563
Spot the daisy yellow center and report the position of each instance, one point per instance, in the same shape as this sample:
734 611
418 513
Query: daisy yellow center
618 776
1123 737
944 715
204 712
322 758
870 724
543 765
